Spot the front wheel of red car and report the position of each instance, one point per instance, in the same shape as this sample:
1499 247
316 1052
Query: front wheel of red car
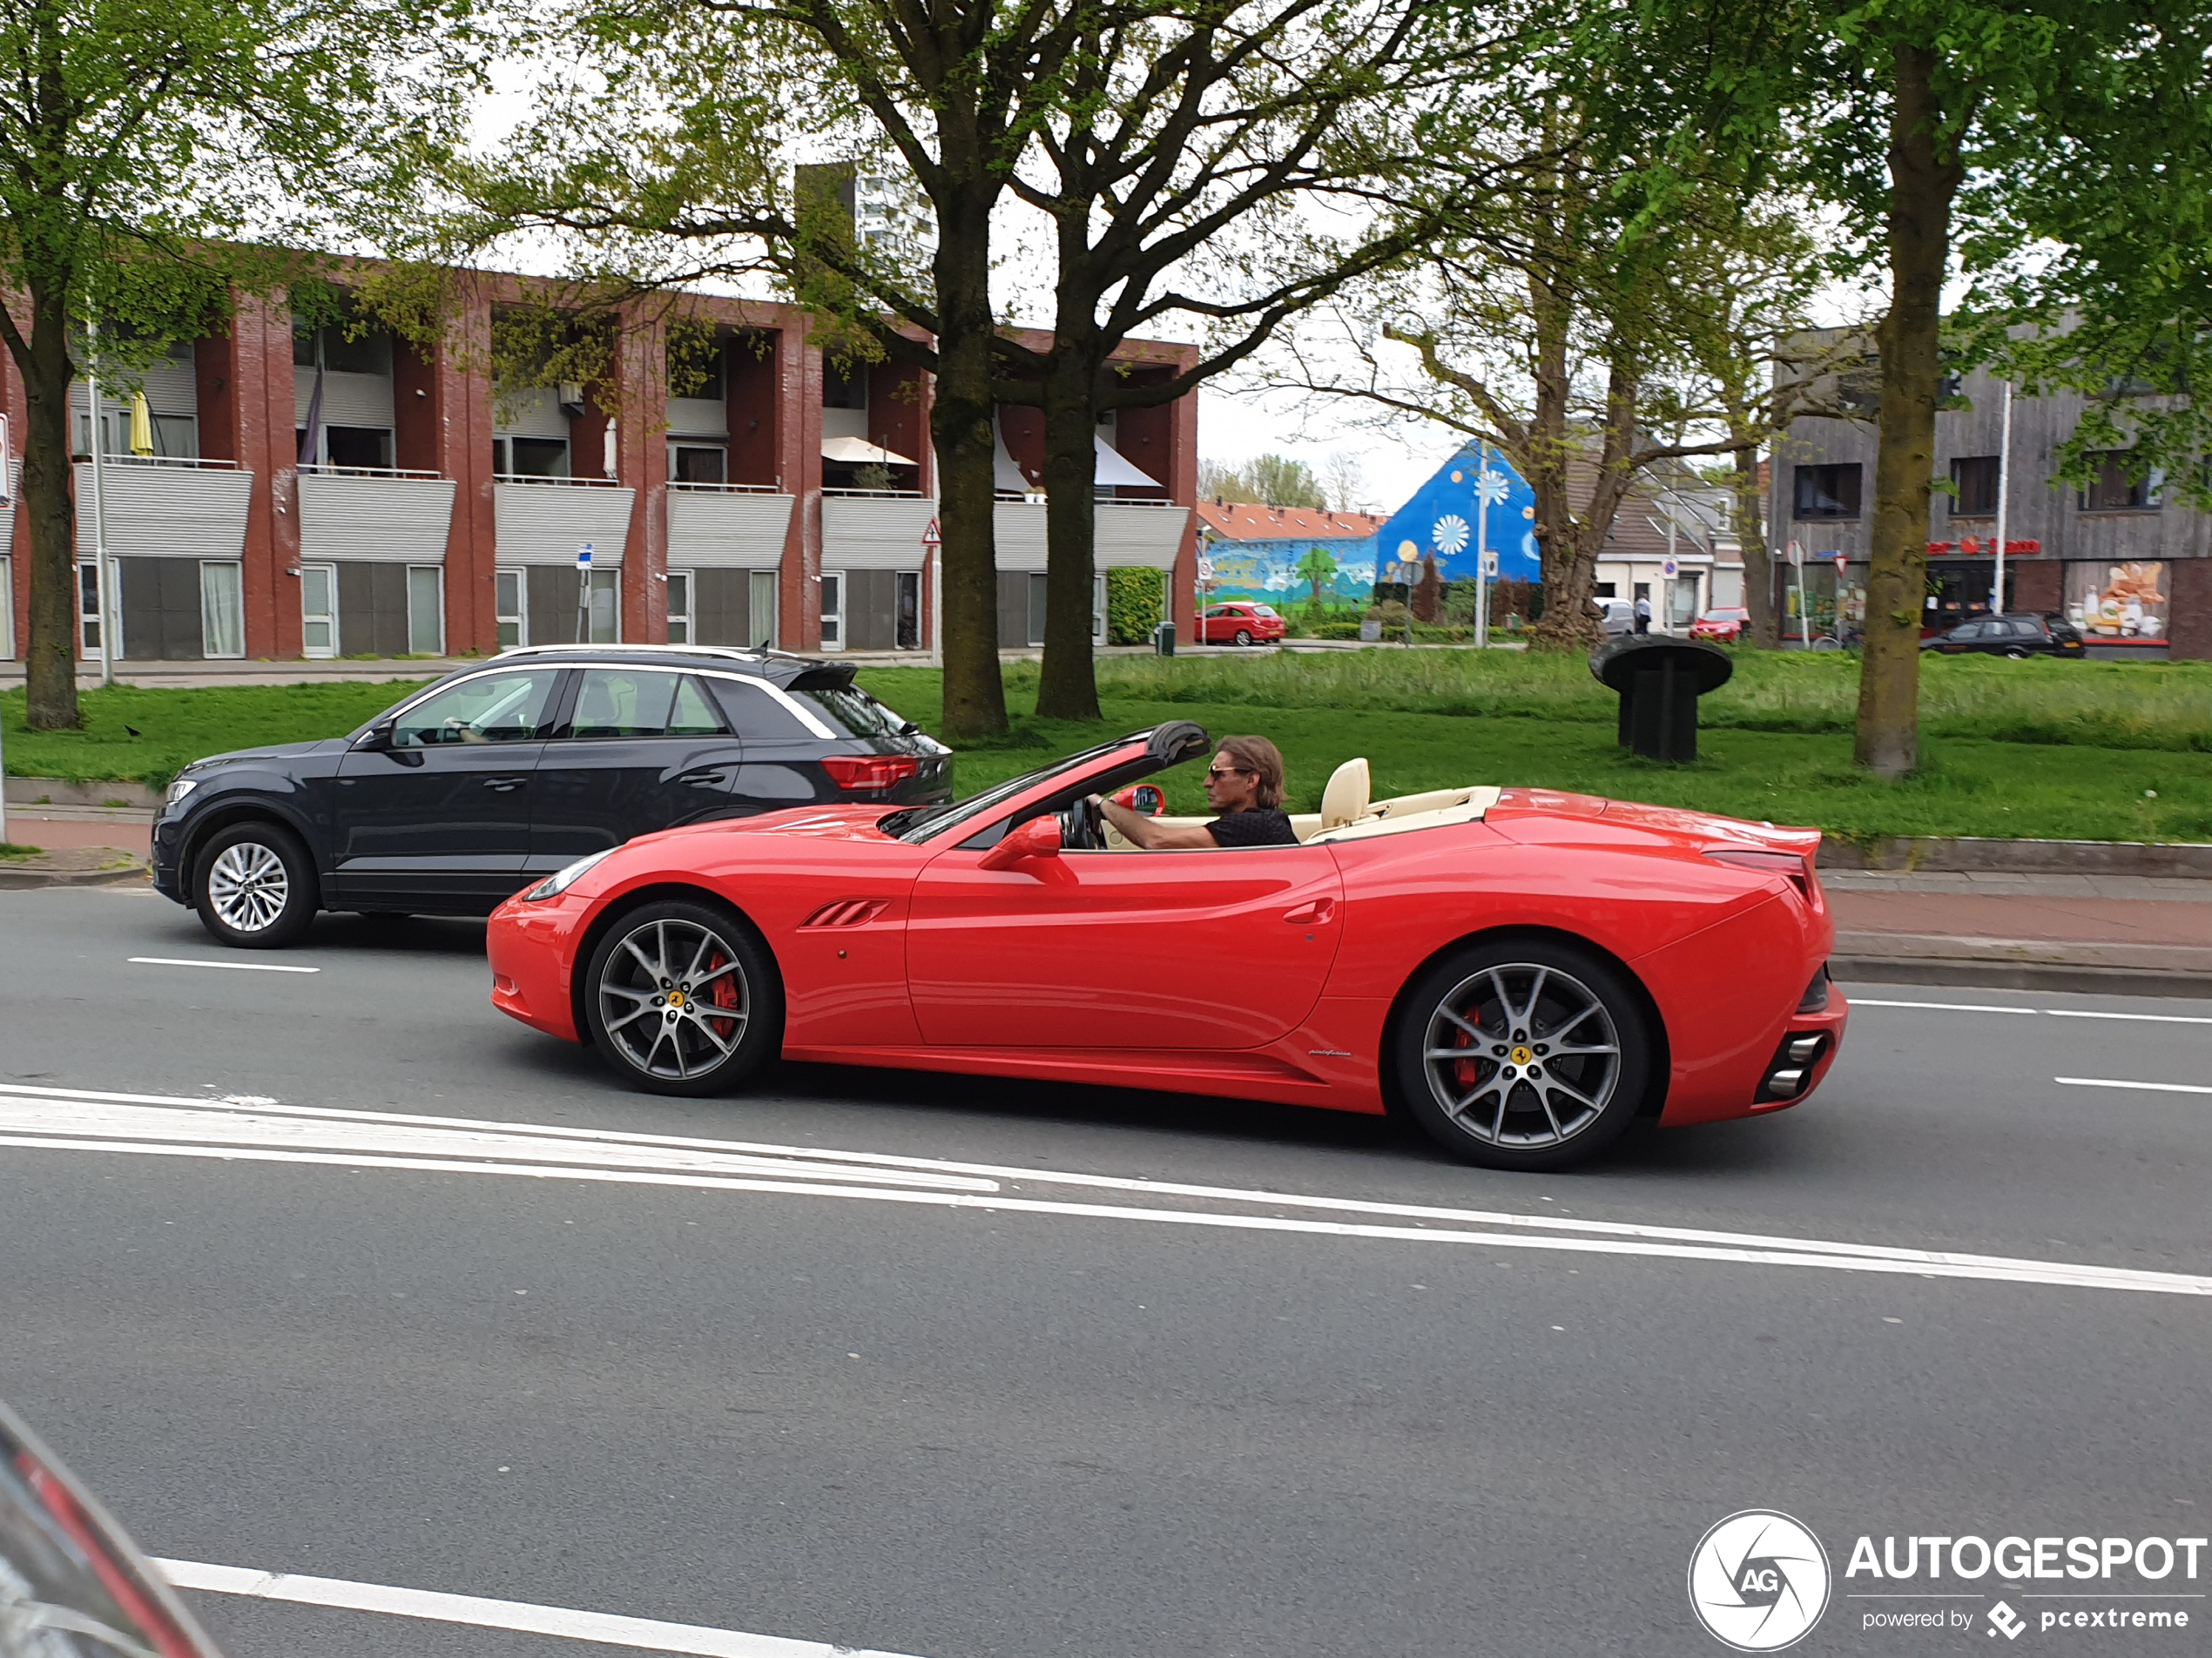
682 999
1526 1054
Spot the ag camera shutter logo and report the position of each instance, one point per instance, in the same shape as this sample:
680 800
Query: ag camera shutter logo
1758 1580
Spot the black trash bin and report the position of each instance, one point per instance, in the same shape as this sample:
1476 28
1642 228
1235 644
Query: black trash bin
1660 680
1163 638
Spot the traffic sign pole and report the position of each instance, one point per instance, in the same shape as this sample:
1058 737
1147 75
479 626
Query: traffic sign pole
932 543
584 594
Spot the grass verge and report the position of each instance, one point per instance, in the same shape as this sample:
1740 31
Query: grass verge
2069 750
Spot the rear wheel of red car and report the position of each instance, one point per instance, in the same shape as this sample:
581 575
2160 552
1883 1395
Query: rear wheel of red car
1524 1053
682 999
1244 636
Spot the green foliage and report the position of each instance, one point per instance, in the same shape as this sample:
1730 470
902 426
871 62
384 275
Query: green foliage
1968 783
1135 600
1269 480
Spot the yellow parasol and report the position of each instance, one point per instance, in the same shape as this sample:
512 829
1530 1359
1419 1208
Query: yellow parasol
141 425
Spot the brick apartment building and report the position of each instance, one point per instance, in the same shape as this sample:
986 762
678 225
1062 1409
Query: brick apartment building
2131 568
310 496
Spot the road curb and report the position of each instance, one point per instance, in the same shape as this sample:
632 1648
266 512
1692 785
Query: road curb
1965 855
2065 978
19 880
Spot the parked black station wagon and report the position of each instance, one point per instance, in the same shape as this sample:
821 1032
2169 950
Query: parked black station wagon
504 771
2008 636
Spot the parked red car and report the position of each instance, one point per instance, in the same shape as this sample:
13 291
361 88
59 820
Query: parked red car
1724 624
1240 623
1524 973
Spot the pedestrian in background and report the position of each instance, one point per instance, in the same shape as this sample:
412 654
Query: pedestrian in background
1644 614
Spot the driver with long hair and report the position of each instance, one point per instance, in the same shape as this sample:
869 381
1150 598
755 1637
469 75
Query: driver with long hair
1244 784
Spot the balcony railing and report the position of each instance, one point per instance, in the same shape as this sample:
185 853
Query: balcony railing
186 461
312 470
535 478
689 487
880 495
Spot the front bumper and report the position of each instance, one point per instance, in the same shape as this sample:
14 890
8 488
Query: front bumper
530 948
168 857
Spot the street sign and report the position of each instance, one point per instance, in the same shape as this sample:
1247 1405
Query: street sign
583 556
1670 569
1490 565
931 538
1797 553
1205 568
1841 560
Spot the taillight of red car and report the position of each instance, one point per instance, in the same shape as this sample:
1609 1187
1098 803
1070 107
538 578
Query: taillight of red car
1787 864
857 773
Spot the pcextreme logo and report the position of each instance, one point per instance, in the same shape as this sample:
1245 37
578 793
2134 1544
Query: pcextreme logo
1758 1580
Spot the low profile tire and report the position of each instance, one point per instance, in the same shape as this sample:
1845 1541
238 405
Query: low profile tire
681 998
255 887
2016 654
1244 638
1525 1054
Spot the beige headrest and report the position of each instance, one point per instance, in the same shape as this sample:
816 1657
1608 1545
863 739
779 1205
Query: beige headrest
1345 798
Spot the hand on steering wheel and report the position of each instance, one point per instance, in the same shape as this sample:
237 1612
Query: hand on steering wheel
1082 825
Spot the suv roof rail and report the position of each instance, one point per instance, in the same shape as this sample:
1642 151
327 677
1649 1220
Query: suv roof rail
739 652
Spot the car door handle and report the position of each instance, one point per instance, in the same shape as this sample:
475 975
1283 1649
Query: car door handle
1310 914
705 776
505 785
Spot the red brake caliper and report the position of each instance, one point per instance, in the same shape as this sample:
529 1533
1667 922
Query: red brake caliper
725 990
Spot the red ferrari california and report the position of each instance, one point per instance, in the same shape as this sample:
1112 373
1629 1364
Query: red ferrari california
1524 973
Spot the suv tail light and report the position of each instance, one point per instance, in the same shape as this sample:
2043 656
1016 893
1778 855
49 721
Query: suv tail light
855 772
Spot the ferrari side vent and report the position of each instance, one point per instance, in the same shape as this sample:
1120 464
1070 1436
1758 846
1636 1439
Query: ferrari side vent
846 912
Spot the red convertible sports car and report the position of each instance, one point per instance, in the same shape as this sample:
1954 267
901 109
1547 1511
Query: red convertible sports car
1524 973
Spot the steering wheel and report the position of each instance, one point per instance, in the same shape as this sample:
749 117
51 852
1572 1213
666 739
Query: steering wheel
1082 827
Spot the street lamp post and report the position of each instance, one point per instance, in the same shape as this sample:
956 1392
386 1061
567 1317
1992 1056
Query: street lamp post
2003 466
99 504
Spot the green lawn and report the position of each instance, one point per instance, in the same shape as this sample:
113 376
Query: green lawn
2094 751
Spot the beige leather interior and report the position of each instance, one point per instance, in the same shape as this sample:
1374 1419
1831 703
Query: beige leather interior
1347 814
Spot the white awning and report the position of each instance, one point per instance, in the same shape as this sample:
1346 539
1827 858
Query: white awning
1112 469
857 451
1006 477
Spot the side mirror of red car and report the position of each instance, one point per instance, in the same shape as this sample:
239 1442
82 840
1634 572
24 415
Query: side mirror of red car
1039 837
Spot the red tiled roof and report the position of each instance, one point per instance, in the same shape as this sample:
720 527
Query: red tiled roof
1244 521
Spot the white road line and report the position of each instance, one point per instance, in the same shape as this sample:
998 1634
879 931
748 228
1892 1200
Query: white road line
2155 1019
845 1170
609 1629
1939 1006
2145 1088
235 967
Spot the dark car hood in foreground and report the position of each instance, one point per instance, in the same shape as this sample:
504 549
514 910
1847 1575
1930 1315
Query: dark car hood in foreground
271 751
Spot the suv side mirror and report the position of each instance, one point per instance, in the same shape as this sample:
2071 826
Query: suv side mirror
1039 837
376 739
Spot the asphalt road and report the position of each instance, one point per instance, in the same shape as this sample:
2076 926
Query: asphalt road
977 1386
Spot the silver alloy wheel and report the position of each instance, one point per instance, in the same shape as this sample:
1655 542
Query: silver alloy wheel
248 886
1523 1055
673 998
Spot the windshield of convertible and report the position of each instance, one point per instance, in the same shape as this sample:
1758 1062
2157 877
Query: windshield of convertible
918 824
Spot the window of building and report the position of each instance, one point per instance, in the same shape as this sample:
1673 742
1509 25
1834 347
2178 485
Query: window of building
222 607
605 607
763 601
698 463
426 610
832 610
679 607
1828 491
368 352
2116 491
508 609
1975 479
318 610
844 385
88 609
7 611
530 457
357 446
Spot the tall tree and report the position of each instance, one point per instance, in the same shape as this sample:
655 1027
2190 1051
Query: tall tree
1174 173
140 139
2056 148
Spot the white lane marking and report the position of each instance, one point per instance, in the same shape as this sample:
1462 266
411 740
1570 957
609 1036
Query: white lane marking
233 1125
2145 1088
234 967
1939 1006
2050 1012
2155 1019
609 1629
1593 1237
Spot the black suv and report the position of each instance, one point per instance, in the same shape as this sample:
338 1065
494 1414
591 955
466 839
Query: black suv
2008 636
502 773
